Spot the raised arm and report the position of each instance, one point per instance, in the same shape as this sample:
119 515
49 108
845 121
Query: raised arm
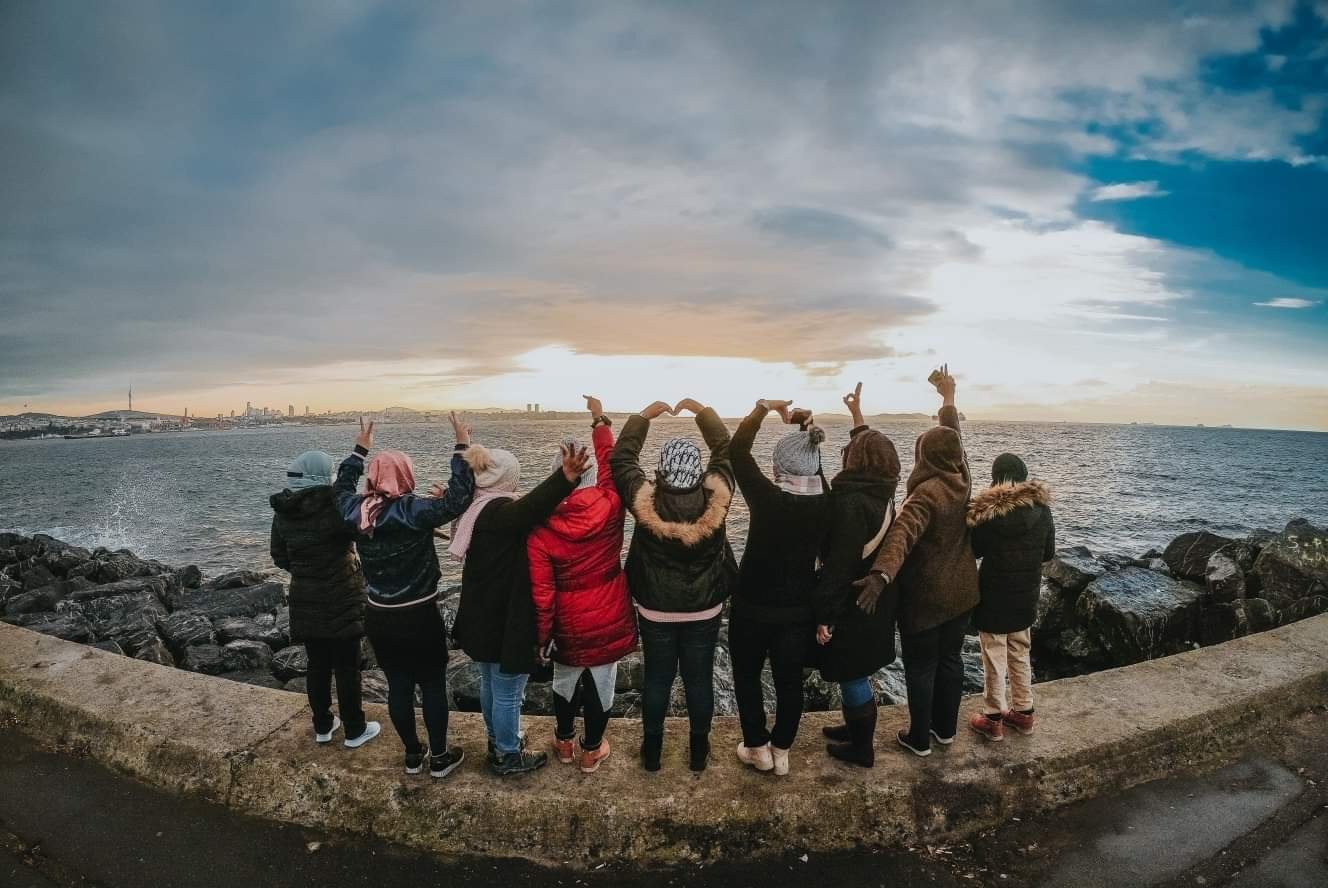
715 434
626 458
521 515
601 437
948 415
753 483
444 505
348 476
853 401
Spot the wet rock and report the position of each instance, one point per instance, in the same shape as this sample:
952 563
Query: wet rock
626 704
110 647
1060 639
726 703
1073 569
463 682
262 628
1115 561
1260 615
1224 578
1309 606
448 604
373 686
119 565
1221 622
889 685
61 560
290 662
973 670
37 601
206 658
1135 614
1157 565
631 673
35 575
280 629
132 616
1188 554
819 694
182 630
236 579
262 679
155 651
9 587
539 700
231 601
156 586
298 685
1292 563
368 657
188 577
69 627
243 655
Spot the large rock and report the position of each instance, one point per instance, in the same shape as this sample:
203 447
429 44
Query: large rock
188 577
1309 606
60 560
1059 635
291 662
1219 622
1073 569
109 647
236 579
631 673
37 601
205 658
261 628
1188 554
244 655
1292 563
34 575
463 682
1224 578
262 679
69 627
132 617
1136 614
156 586
373 686
120 565
1260 615
9 587
231 601
182 630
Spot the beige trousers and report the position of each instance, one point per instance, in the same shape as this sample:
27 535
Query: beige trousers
1002 655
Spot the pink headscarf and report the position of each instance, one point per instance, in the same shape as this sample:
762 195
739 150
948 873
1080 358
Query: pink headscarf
389 477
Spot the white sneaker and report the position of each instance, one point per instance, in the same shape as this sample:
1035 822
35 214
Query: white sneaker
780 757
371 730
758 757
327 738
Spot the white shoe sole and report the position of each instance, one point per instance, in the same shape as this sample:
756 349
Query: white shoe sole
327 738
371 730
920 753
439 775
424 760
942 740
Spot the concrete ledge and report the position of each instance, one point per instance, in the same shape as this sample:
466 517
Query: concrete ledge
251 749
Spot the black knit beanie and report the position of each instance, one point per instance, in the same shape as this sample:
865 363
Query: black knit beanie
1009 468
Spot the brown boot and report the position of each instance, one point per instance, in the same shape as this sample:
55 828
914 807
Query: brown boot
861 748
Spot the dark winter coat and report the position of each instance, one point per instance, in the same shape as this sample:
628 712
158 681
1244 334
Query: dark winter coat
927 553
310 540
1013 533
784 539
576 576
495 621
679 560
860 510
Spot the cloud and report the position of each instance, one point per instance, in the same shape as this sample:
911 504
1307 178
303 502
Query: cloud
1126 191
1288 302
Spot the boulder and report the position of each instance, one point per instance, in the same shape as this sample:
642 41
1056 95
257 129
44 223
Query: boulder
236 579
889 685
69 627
1073 569
280 629
538 699
131 616
261 679
188 577
61 560
37 601
1292 563
1224 578
631 673
290 662
1157 565
448 604
726 702
243 655
1260 615
463 682
1219 622
231 601
626 705
9 587
819 694
110 647
1115 561
155 651
156 586
1309 606
261 628
1135 614
1188 554
35 575
1059 634
119 565
182 630
373 686
205 658
298 685
973 670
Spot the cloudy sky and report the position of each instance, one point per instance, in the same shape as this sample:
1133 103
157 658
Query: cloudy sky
1091 211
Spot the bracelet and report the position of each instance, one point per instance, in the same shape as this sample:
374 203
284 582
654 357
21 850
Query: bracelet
601 419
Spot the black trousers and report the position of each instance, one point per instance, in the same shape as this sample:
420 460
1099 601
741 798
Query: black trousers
934 676
339 657
785 645
408 664
586 699
670 648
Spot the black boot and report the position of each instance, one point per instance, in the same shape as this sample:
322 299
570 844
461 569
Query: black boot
651 746
698 752
837 733
860 750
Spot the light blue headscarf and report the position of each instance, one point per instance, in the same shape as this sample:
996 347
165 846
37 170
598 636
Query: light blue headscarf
309 469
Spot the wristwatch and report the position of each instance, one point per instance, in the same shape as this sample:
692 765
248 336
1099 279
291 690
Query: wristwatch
601 419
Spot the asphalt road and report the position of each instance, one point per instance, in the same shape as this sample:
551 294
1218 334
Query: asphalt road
1260 821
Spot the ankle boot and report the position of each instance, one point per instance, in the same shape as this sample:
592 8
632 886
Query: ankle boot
651 746
837 733
699 752
860 750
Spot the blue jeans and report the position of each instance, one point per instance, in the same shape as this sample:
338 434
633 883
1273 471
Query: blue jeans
670 648
856 692
500 701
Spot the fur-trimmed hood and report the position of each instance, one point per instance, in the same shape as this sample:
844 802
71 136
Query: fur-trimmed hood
1002 499
689 533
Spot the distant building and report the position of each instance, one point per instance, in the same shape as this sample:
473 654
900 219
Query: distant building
306 409
530 408
290 410
537 409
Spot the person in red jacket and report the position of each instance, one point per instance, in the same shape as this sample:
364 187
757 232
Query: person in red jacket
583 611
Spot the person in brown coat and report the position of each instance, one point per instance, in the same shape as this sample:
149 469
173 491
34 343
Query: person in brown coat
927 554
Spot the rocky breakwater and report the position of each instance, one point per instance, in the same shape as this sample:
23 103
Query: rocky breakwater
237 626
1101 611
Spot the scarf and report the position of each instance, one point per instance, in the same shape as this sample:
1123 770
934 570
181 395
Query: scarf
802 485
497 473
680 464
390 476
310 469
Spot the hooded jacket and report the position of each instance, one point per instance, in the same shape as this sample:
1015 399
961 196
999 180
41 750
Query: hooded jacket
1013 533
679 560
927 554
778 572
310 541
576 578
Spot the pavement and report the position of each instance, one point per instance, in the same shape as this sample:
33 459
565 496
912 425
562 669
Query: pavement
1259 819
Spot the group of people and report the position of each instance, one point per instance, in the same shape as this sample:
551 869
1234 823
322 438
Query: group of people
830 569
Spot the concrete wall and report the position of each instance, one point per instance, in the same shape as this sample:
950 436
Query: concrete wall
252 749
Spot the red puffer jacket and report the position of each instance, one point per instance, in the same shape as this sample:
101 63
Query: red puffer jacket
576 575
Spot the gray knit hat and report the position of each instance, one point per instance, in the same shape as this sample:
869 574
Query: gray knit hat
799 453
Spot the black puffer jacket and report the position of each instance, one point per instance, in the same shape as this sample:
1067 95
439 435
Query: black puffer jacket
310 539
679 560
1013 533
860 511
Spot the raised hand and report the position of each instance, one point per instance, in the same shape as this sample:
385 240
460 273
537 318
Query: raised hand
779 406
656 410
365 437
594 406
575 463
688 404
461 427
853 401
946 385
872 585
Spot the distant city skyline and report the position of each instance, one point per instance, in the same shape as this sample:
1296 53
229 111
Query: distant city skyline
1104 212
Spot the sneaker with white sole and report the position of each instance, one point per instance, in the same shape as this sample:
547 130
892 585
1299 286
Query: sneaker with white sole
446 762
415 760
327 737
780 757
371 730
919 752
944 741
756 756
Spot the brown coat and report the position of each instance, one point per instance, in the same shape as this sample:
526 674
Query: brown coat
927 551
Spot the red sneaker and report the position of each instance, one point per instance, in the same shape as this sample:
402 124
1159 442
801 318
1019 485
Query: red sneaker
1020 721
988 726
565 750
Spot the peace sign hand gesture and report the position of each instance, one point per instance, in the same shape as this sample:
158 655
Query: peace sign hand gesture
365 437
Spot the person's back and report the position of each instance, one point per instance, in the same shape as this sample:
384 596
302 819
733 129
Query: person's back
313 544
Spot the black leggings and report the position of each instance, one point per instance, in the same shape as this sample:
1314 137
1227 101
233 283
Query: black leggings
409 664
586 698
